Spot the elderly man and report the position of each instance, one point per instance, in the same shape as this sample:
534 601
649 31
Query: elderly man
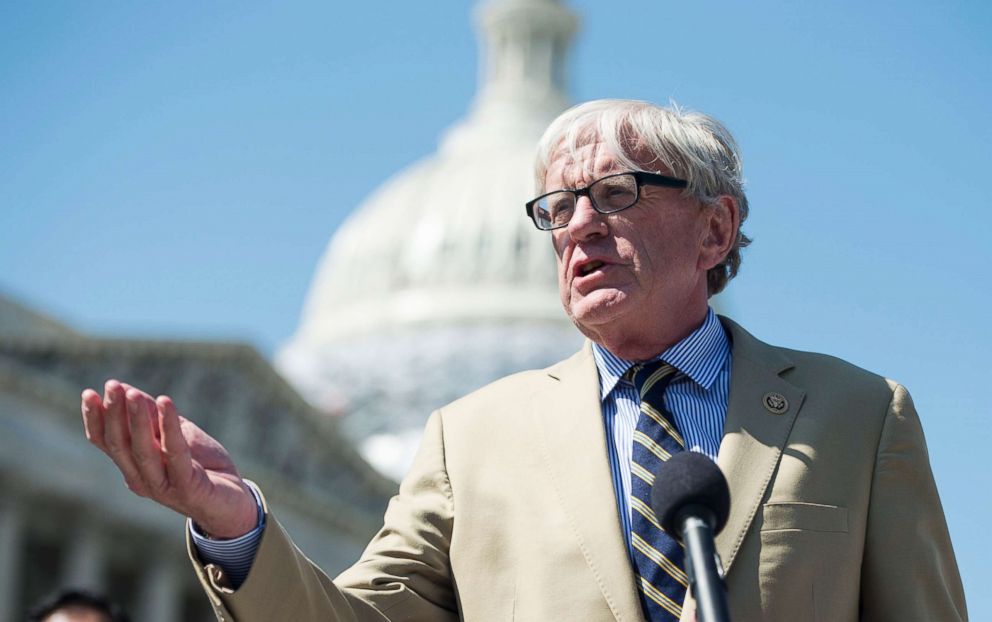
527 499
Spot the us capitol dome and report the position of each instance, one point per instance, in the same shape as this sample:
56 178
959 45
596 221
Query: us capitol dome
438 283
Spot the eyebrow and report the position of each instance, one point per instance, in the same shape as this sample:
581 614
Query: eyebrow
594 178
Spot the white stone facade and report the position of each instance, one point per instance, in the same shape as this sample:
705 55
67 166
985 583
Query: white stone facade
66 518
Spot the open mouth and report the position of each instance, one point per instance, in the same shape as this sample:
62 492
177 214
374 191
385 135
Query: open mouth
586 268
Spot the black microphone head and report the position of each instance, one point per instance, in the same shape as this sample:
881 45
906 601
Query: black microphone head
689 478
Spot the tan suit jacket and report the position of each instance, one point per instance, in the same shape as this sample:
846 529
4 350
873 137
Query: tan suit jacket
509 513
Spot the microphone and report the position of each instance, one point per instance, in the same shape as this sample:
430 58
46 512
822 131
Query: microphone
690 497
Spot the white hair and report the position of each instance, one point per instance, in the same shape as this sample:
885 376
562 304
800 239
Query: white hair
689 145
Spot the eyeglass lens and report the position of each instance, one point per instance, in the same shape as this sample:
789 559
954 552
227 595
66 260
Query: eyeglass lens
609 194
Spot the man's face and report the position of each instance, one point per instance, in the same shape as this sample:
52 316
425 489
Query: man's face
619 275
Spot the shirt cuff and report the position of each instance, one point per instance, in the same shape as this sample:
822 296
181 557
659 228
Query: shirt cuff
236 555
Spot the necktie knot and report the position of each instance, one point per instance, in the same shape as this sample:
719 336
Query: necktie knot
651 380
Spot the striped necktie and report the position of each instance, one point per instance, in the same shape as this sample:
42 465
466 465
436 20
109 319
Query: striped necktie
658 556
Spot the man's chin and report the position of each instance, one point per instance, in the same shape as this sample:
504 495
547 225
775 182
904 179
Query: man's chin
599 308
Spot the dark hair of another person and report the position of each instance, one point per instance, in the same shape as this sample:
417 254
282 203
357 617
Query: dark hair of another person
65 599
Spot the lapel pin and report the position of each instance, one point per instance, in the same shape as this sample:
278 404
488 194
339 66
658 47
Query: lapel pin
775 403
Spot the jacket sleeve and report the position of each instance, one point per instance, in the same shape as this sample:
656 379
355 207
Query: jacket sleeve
909 571
404 573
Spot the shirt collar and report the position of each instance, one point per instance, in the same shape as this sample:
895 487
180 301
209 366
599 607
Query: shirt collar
700 356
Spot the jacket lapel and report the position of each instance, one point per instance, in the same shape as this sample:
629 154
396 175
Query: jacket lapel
755 431
574 441
571 425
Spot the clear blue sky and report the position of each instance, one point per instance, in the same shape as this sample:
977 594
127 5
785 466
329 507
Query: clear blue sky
176 169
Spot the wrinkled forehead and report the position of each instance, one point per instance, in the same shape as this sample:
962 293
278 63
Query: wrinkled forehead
579 166
584 156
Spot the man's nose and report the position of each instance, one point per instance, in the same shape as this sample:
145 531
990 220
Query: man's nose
586 221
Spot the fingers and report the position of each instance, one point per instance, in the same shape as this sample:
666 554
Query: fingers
115 417
145 450
178 461
92 407
117 435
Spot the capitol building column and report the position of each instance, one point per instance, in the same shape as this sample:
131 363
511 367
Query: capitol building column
85 561
161 590
11 551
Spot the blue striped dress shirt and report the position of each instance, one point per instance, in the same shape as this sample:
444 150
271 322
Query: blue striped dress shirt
697 398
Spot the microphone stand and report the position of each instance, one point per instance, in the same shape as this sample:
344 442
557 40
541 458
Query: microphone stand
705 580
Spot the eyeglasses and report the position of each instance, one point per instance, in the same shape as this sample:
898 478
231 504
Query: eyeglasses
608 195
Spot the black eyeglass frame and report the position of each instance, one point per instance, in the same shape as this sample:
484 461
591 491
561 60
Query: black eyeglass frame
642 178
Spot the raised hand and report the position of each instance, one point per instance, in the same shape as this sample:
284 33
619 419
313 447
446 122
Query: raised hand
169 459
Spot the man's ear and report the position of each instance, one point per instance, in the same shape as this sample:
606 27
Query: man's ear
722 220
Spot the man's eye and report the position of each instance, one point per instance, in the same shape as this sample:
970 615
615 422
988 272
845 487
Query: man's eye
559 204
616 194
560 215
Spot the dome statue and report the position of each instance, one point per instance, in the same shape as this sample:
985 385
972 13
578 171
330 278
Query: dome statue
438 283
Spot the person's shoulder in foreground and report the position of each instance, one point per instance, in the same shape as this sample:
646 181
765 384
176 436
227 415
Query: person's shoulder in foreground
77 605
